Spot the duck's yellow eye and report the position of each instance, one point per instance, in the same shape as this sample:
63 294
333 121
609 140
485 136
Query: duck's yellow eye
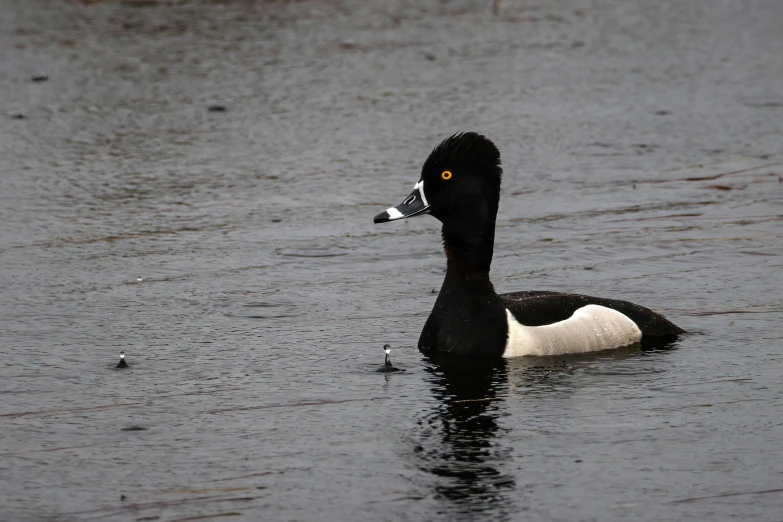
446 174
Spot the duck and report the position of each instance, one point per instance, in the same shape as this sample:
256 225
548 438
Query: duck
460 187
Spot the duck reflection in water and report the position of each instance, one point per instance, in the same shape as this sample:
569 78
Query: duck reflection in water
458 440
463 441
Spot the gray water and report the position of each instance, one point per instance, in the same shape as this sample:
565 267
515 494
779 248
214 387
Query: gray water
232 256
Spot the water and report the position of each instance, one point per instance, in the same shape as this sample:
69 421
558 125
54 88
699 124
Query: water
232 256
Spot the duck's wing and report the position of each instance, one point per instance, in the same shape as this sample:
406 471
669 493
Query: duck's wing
538 308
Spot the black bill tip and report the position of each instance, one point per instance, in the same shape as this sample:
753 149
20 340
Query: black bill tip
383 217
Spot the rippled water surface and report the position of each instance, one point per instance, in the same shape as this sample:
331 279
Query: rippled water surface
194 183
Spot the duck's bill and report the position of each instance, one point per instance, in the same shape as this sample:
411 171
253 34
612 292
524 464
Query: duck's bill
414 205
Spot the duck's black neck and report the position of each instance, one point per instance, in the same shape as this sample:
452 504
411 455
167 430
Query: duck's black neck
469 248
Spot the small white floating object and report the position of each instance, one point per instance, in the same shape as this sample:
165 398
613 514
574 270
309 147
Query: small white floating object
387 366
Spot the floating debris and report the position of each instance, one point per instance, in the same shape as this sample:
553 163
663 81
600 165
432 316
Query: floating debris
387 366
39 77
217 108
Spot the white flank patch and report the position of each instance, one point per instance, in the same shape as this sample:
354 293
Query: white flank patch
592 328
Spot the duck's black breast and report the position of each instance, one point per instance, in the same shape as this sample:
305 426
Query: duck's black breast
538 308
465 322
